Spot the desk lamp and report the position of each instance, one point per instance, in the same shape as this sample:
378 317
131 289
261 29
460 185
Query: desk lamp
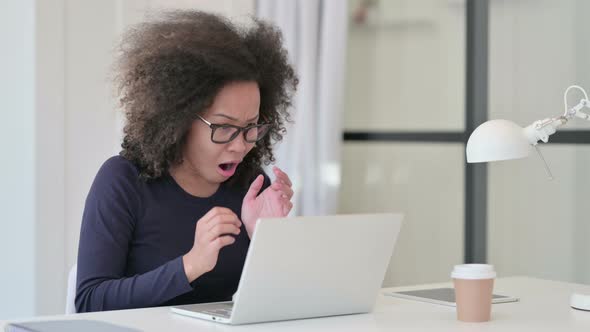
504 140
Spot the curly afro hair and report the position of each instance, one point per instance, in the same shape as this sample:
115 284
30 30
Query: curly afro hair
170 69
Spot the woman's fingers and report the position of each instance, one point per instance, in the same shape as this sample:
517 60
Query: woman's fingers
222 229
217 222
282 176
223 241
216 211
254 188
287 208
285 190
283 201
282 183
231 219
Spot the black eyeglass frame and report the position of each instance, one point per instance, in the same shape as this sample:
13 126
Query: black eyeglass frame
239 130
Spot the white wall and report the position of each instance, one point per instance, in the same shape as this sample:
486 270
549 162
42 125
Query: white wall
406 67
409 74
539 227
59 124
400 177
406 71
17 160
90 115
49 153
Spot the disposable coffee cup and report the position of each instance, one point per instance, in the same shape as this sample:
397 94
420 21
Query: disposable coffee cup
474 285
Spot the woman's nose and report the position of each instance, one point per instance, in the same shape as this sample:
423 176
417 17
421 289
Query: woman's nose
238 144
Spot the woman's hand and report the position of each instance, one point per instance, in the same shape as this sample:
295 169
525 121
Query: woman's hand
274 201
213 232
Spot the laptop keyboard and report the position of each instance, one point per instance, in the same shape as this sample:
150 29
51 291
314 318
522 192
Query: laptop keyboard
220 310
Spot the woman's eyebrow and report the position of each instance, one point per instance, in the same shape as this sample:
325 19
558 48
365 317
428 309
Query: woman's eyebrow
234 119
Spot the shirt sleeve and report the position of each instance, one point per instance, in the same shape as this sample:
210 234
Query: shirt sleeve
110 213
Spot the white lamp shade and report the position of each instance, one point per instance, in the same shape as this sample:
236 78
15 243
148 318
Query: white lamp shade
497 140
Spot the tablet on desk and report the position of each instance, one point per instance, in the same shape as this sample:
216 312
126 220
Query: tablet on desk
444 296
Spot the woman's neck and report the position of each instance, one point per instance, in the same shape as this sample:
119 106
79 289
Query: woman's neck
191 181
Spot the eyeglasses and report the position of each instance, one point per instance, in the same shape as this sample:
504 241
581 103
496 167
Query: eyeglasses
225 133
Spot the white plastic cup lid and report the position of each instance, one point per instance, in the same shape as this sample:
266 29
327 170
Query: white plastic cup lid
473 271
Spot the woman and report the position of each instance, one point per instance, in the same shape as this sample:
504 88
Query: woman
169 220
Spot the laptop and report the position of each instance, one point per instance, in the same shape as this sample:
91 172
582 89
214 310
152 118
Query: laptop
305 267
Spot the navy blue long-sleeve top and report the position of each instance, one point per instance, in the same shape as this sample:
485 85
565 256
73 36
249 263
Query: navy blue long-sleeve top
134 234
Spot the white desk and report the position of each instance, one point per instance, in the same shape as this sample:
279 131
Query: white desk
543 306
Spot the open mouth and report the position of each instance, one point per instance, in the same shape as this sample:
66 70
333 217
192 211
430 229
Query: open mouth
227 169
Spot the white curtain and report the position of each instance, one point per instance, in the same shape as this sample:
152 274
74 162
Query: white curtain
315 35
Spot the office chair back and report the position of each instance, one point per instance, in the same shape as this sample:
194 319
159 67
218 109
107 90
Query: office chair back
71 291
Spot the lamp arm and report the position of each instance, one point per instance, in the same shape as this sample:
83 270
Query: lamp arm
541 130
576 111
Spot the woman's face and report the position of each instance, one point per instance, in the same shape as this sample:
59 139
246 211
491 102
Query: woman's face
237 104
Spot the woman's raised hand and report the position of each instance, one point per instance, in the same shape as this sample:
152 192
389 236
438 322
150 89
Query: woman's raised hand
274 201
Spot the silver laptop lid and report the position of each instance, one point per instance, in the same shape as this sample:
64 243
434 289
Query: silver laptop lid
315 266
